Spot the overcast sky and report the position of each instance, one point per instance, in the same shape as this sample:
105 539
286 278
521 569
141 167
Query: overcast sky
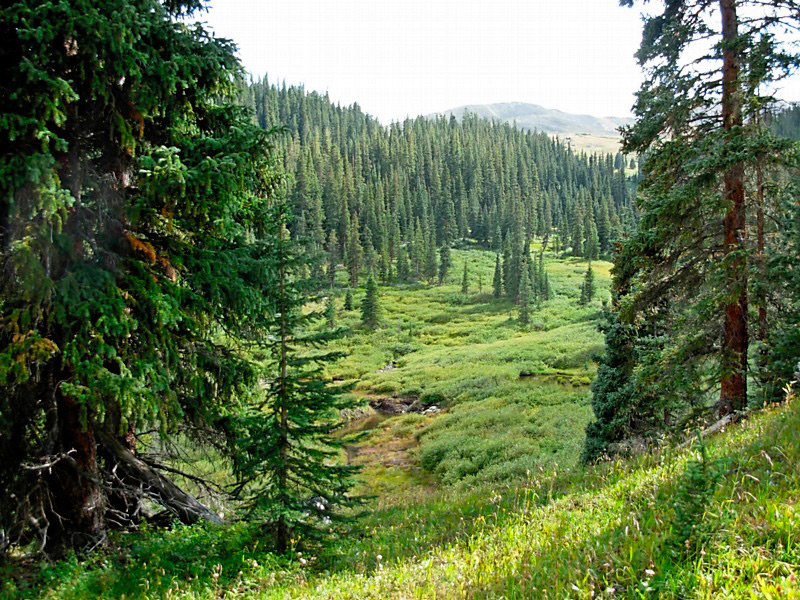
400 58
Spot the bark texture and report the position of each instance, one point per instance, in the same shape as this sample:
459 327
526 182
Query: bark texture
733 388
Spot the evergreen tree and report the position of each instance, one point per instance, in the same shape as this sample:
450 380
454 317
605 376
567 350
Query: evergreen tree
613 394
348 300
578 233
507 275
431 264
497 281
370 306
284 457
330 312
541 277
588 286
134 228
592 245
464 280
333 257
698 131
783 341
524 296
444 262
403 268
354 253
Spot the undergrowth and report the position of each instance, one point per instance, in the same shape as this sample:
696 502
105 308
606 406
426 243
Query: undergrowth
606 531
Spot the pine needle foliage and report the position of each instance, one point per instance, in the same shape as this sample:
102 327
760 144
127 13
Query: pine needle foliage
285 454
348 300
588 286
497 280
134 251
370 306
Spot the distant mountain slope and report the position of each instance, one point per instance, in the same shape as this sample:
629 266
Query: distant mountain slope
548 120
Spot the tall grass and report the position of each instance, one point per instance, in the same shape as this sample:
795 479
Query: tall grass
602 532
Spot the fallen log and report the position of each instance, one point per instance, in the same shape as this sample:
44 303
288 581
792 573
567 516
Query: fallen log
183 505
724 421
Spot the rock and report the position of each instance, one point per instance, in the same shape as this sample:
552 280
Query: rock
431 410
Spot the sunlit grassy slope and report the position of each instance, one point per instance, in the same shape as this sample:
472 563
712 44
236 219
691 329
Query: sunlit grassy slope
611 531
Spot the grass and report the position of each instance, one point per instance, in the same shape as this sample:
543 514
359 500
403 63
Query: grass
487 499
517 398
600 532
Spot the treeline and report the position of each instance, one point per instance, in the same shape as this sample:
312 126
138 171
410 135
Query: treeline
392 200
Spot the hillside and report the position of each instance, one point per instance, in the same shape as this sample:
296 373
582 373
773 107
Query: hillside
582 132
660 525
424 182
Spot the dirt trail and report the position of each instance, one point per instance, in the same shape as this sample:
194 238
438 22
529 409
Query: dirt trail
384 443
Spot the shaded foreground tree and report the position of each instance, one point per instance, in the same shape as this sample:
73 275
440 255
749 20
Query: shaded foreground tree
698 126
136 263
683 281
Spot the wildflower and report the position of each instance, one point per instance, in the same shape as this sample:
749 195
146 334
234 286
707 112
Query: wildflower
611 591
649 572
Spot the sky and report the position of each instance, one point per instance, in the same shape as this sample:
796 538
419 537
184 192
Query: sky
399 58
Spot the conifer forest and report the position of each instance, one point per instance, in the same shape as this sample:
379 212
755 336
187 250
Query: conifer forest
256 342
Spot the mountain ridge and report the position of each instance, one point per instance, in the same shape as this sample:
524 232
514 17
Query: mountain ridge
536 117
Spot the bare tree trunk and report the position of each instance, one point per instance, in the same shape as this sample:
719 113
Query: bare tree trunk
733 392
184 506
76 510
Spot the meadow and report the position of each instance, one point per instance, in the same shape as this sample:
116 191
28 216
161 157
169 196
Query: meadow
486 498
717 520
514 398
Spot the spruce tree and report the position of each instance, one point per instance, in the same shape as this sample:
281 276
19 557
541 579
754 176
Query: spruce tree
588 286
348 300
524 300
403 268
698 131
285 449
370 306
354 253
444 262
497 281
134 229
507 274
464 280
330 312
431 264
591 250
333 257
541 277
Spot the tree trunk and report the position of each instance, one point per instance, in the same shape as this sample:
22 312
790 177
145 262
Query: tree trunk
282 534
77 504
184 506
733 389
